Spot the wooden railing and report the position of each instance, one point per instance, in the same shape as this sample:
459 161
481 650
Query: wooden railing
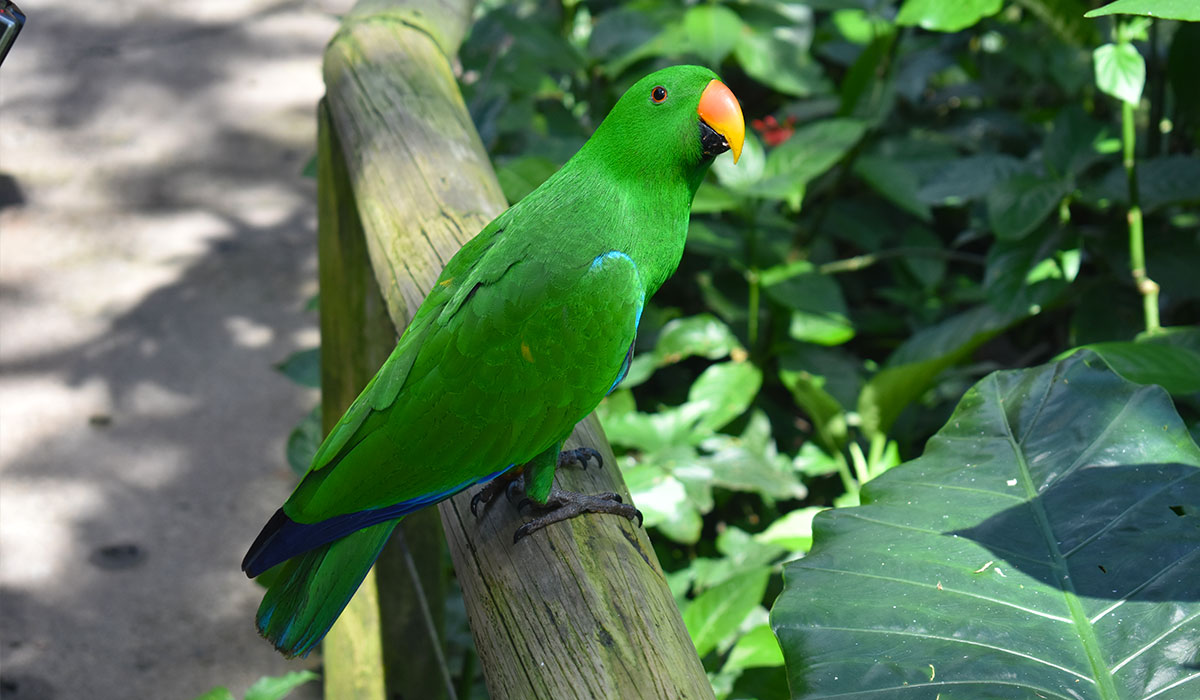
578 610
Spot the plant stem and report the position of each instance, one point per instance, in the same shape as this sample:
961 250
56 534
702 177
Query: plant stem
752 320
860 463
1156 80
859 262
435 641
1137 248
875 455
754 282
844 472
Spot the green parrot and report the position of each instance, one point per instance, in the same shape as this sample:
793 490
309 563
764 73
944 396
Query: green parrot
528 328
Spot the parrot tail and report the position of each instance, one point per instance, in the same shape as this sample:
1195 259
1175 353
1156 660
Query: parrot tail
307 593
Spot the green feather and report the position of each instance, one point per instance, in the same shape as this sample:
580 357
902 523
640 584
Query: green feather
523 334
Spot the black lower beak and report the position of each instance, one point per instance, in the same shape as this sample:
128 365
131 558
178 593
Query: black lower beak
713 143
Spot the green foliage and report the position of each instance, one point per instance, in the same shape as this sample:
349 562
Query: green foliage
265 688
939 16
929 191
304 440
1120 71
1186 10
303 367
1042 546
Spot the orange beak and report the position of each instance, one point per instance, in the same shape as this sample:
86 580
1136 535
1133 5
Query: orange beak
720 110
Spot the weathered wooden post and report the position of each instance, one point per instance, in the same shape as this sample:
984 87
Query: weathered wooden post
579 610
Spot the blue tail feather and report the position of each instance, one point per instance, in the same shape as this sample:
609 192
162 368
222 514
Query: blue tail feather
283 538
311 591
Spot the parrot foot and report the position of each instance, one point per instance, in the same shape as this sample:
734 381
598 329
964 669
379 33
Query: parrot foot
564 505
509 483
580 456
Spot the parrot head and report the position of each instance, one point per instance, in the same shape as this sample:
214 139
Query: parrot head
682 115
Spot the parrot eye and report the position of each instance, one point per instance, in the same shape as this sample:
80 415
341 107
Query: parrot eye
658 95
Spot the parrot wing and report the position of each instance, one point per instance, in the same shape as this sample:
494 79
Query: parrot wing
506 354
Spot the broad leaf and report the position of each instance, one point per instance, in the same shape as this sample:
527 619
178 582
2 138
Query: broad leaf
722 392
968 178
793 531
716 613
1174 368
1019 204
1186 10
304 440
1072 144
703 334
747 171
825 384
810 151
1046 545
1162 181
1120 71
707 31
756 648
893 178
1024 276
750 462
664 502
942 16
712 31
819 312
777 62
303 367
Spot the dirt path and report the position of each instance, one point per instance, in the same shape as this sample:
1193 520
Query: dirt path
156 252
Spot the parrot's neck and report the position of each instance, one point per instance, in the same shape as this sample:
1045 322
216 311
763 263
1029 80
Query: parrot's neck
641 209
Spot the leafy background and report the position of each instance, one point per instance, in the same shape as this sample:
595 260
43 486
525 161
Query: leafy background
930 191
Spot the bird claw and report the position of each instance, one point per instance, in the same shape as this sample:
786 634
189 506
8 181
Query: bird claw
580 456
564 505
509 482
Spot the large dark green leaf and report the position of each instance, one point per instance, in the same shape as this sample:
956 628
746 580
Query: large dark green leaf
1187 10
1046 545
1174 368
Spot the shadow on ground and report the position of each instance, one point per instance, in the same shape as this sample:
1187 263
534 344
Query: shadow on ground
144 432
